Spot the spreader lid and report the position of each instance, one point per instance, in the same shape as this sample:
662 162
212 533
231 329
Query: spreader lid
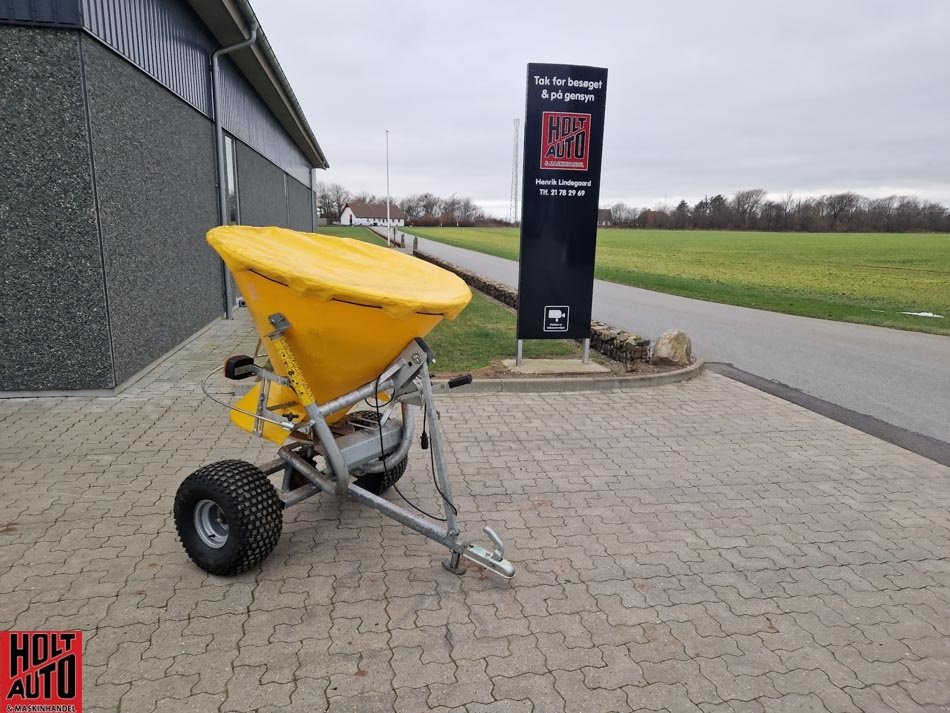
330 268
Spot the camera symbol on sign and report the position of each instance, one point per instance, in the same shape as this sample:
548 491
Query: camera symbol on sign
556 318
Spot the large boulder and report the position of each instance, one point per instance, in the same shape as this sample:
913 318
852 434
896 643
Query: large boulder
673 347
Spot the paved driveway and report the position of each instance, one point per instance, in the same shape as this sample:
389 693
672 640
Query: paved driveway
900 377
701 546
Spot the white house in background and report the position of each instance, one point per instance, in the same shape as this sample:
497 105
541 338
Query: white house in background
357 213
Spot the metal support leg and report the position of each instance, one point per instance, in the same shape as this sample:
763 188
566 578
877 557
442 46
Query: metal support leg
586 356
453 563
435 443
518 352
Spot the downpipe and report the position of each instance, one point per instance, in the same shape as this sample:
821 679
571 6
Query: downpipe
219 149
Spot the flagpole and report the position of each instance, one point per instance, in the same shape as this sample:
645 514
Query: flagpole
388 221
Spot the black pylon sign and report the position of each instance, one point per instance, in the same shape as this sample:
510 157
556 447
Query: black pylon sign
563 138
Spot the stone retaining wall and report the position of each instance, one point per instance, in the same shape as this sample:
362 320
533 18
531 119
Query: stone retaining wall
624 347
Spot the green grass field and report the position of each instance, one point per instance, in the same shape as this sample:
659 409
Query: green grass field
351 231
869 278
485 331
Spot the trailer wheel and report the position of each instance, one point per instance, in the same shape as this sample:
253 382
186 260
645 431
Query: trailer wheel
379 483
228 517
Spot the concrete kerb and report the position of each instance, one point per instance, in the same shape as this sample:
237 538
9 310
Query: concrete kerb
584 383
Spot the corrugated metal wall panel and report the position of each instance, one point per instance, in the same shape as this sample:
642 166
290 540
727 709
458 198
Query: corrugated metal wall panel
166 39
161 37
57 13
245 116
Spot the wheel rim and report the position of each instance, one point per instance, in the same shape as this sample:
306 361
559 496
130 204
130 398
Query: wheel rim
210 524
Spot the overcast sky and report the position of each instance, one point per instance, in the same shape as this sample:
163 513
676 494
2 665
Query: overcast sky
702 97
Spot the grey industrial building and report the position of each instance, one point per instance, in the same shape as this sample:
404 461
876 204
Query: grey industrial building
108 178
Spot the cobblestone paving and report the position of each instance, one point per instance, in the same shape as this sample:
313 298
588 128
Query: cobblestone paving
693 547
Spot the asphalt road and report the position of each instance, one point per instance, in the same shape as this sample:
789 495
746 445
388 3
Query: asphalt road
900 377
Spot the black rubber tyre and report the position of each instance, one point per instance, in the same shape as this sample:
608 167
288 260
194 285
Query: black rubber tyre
228 517
379 483
376 483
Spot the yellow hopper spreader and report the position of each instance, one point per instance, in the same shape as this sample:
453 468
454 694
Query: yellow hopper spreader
342 322
353 306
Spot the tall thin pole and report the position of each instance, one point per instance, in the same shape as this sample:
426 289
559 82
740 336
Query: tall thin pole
313 210
513 202
219 152
389 224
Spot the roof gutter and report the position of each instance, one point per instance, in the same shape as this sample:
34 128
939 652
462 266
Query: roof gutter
219 151
264 46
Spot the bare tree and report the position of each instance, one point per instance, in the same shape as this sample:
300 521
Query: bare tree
936 218
337 197
771 216
622 214
788 205
881 214
366 197
324 200
907 213
451 210
746 206
431 205
840 207
412 207
811 216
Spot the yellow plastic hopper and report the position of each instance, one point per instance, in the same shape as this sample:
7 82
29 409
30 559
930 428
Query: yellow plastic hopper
352 306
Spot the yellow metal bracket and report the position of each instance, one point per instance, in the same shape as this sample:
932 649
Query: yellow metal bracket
294 373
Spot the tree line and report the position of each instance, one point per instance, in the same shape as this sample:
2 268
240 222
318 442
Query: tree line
420 208
744 210
753 210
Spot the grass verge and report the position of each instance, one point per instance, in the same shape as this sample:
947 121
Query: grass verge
483 335
868 278
357 232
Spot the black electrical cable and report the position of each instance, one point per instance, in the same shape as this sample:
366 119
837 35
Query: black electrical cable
416 507
379 428
435 482
424 439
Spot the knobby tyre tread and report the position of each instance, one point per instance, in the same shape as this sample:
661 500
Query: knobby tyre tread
379 483
251 505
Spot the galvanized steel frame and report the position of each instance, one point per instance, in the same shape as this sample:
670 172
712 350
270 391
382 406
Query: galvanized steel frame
410 384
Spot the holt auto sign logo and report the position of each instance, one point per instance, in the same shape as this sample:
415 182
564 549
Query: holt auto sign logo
40 672
565 139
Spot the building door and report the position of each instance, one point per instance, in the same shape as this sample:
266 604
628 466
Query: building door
233 203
